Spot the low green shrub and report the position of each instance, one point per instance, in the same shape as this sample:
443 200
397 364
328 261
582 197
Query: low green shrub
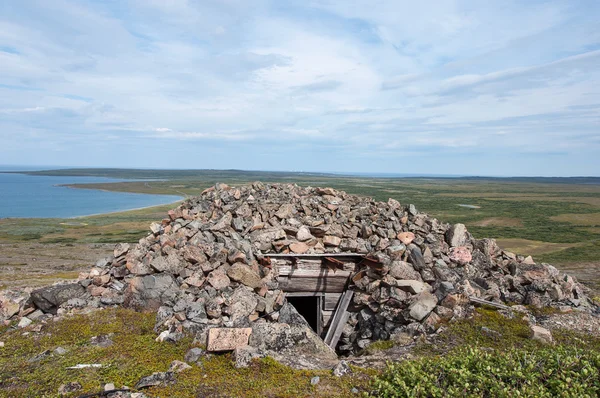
476 372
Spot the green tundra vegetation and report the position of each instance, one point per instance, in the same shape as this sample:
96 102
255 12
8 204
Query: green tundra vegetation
463 362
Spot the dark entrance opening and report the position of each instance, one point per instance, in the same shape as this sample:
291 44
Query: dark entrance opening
308 307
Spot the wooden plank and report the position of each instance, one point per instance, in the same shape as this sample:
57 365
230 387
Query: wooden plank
319 315
314 273
289 268
331 301
490 303
310 284
314 255
327 316
339 320
304 294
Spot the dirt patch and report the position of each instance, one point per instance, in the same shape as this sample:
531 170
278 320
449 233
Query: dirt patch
35 264
532 247
579 219
498 222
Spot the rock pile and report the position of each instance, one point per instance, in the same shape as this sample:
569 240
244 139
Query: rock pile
207 266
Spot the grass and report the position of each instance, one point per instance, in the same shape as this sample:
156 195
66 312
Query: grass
490 355
135 354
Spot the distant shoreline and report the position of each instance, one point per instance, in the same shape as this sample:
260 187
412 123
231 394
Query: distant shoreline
72 208
121 211
171 174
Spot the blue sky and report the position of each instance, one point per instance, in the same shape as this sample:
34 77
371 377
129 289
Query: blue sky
435 87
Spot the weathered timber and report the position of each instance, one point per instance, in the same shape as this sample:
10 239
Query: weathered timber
314 255
315 284
339 320
331 301
314 273
490 303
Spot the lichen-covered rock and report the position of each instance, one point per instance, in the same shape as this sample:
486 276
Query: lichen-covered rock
48 299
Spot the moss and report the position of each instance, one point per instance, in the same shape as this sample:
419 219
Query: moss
379 345
135 354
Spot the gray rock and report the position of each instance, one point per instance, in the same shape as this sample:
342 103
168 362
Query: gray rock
341 369
40 356
315 380
288 314
109 387
24 322
456 235
149 292
541 334
244 303
196 312
35 315
156 379
120 249
412 286
304 234
178 367
424 303
48 299
60 351
243 356
171 264
194 354
103 341
69 388
416 257
403 270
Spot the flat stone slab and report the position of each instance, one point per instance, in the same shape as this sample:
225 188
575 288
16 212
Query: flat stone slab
227 339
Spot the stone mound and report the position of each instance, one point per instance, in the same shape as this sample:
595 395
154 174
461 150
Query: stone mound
207 265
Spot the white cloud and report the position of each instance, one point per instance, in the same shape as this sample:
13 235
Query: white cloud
362 78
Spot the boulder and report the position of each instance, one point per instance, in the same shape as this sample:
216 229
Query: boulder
156 379
541 334
412 286
242 273
456 235
227 339
423 304
48 299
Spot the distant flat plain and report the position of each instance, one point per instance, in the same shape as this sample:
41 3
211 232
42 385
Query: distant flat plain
556 220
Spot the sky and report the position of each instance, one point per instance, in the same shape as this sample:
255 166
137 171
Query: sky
499 88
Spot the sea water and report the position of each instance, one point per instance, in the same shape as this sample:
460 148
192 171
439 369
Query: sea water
29 196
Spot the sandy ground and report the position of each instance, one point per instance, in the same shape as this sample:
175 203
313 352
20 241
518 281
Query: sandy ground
36 264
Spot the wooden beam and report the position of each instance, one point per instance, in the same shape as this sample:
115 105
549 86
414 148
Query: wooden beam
303 294
313 255
490 303
314 273
339 320
312 284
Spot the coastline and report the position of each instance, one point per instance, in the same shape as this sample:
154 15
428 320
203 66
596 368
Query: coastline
131 199
124 211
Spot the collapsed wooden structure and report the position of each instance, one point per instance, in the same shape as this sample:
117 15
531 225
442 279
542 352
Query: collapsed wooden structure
317 285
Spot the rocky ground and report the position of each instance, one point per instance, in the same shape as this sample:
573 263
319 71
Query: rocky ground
39 264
